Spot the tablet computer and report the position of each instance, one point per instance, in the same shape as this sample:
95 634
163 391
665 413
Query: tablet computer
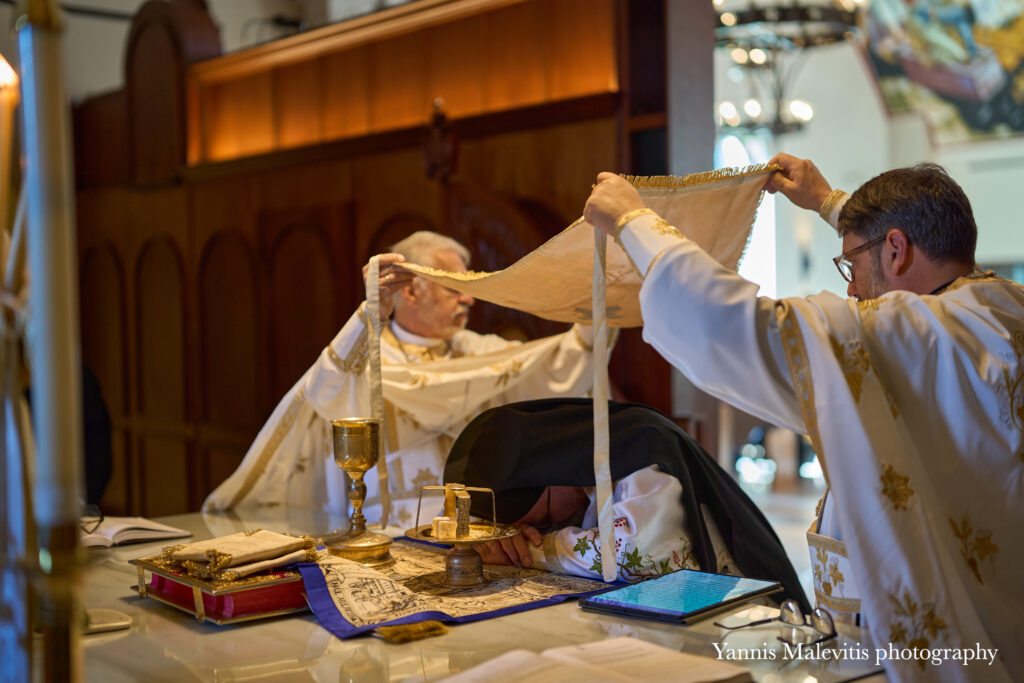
680 597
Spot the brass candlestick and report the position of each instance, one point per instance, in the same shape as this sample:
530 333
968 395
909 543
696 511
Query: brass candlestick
356 450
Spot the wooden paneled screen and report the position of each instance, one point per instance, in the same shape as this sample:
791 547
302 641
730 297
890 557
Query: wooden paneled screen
221 237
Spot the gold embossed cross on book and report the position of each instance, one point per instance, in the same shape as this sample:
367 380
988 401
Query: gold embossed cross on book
604 661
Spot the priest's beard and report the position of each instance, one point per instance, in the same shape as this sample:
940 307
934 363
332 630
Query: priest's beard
876 284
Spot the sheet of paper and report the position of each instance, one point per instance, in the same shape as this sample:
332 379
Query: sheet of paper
522 666
643 661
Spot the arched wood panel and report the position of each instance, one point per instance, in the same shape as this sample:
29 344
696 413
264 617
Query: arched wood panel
165 38
163 433
229 317
395 229
157 136
104 351
304 302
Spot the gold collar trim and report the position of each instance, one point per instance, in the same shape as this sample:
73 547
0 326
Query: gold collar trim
415 352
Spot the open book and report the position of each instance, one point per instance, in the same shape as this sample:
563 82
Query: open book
120 530
604 661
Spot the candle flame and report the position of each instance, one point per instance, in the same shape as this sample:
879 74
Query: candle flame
8 77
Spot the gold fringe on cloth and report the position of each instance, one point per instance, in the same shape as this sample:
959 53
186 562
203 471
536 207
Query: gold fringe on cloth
406 633
674 181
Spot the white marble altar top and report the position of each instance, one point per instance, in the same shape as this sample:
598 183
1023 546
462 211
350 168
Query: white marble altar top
165 644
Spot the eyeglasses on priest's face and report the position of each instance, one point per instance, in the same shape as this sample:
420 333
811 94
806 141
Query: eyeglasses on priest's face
793 617
843 263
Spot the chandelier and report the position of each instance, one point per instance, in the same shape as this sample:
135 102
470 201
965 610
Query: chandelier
765 41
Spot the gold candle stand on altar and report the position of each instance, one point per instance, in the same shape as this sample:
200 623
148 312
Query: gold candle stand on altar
356 450
463 566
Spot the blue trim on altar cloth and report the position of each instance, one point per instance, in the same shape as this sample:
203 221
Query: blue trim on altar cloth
513 591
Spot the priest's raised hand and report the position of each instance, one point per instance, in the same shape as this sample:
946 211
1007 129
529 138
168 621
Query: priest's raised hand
392 281
612 197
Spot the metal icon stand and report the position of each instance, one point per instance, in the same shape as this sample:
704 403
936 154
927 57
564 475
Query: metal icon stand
463 566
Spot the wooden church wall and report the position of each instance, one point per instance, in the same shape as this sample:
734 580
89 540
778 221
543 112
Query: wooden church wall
209 288
368 76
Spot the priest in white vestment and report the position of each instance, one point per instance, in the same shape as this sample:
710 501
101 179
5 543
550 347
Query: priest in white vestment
436 377
912 391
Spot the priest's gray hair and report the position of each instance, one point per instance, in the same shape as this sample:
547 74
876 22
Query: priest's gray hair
420 247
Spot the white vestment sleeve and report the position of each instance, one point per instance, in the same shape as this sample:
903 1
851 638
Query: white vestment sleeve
337 380
650 538
564 373
683 287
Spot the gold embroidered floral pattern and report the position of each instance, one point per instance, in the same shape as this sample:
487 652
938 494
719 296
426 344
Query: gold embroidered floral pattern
915 625
507 371
827 576
854 361
891 400
869 304
421 379
974 545
406 415
662 227
1013 412
404 516
895 487
424 477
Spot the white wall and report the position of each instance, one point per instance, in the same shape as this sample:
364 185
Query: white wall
846 139
852 138
94 48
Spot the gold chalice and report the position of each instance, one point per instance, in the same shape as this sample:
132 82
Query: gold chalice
356 450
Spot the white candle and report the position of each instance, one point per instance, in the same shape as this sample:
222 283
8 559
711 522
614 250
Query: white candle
53 334
8 104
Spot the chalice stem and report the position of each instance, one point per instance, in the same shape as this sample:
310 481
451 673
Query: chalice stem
357 494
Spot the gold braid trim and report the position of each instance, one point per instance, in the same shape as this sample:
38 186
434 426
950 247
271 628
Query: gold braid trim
825 210
627 217
800 374
205 570
285 425
976 277
670 181
466 276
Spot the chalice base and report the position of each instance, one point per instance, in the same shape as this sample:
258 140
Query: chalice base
368 548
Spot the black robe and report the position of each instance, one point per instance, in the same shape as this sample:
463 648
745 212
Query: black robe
521 448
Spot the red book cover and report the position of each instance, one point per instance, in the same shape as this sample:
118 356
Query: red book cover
247 602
